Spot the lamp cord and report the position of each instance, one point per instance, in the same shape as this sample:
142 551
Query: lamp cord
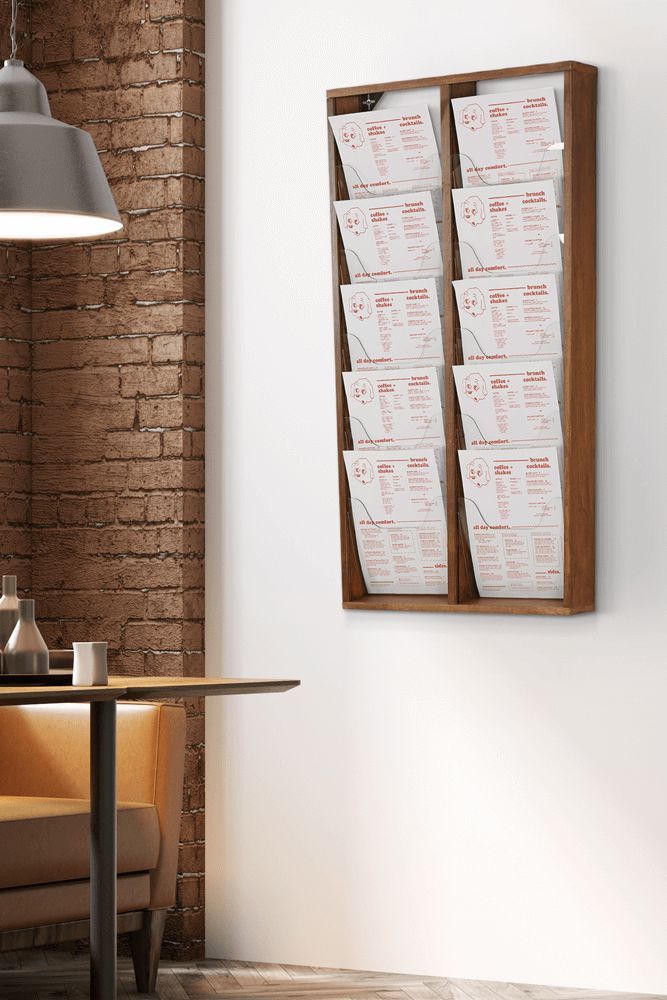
12 29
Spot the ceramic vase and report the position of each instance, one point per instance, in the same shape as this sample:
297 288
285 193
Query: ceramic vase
9 611
26 652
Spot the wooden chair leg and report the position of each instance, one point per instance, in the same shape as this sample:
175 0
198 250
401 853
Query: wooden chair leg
146 944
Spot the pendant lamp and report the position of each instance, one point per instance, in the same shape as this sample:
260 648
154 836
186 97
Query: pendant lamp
52 184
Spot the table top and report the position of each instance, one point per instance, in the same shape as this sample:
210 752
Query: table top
197 687
144 688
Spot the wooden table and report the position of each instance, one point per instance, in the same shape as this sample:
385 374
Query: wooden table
103 701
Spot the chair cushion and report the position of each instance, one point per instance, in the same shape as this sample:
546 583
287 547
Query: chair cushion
45 840
61 902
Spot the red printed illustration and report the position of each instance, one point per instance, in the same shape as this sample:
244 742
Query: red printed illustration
360 305
362 390
472 116
474 387
473 302
355 221
478 473
362 470
352 135
473 210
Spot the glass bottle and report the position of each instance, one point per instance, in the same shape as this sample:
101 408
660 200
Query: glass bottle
26 652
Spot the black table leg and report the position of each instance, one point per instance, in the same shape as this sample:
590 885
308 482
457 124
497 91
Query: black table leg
103 850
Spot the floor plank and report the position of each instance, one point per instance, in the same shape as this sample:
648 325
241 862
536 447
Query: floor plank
56 975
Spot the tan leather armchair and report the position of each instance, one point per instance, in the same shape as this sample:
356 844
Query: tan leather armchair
44 825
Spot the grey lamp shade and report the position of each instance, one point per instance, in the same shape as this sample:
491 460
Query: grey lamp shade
52 184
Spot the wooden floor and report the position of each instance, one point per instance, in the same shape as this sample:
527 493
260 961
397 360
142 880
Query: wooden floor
53 975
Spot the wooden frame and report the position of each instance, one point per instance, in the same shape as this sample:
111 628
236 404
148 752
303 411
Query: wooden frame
73 930
145 929
578 417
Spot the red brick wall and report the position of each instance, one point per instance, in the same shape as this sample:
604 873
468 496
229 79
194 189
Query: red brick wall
117 370
15 440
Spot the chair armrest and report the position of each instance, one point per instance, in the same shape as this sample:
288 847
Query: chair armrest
168 798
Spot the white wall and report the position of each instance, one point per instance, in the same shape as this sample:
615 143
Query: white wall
438 797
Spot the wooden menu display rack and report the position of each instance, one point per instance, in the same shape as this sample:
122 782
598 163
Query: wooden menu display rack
578 332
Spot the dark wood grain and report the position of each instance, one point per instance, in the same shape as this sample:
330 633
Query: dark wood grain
50 934
53 975
145 943
579 307
476 605
536 69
